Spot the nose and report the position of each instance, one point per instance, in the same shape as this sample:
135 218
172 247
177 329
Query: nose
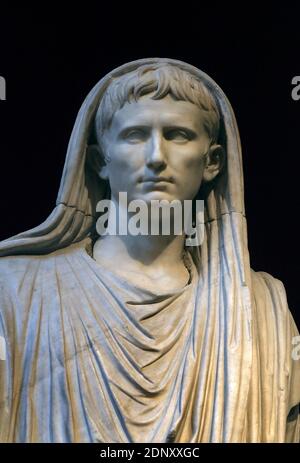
155 158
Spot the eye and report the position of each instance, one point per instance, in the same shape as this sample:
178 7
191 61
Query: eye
179 135
135 135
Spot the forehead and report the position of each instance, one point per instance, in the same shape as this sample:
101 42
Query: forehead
163 112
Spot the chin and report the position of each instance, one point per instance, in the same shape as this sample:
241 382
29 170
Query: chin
158 196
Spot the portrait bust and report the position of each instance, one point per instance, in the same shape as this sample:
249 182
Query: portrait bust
140 337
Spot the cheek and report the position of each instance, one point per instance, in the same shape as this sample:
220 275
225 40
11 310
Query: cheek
190 172
122 165
191 162
192 155
123 158
192 178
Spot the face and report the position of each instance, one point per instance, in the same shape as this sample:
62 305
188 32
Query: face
156 150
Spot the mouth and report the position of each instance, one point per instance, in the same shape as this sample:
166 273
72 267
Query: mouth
157 179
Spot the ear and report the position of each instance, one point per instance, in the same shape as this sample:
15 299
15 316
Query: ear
97 161
215 159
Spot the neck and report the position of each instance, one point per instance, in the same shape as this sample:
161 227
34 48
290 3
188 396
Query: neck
148 249
157 256
155 250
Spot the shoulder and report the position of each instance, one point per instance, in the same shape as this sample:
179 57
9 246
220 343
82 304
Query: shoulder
269 290
12 265
268 279
14 269
23 271
271 312
28 282
270 300
275 328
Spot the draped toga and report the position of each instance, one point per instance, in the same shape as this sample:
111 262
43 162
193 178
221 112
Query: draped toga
92 358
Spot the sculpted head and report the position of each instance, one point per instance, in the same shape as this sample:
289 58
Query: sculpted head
157 131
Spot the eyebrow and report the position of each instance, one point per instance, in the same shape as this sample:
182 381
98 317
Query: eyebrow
180 127
147 127
135 126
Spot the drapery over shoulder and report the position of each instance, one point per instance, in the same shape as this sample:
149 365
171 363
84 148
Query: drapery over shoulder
246 385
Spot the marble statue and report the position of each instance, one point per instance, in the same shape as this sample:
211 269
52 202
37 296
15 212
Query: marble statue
124 338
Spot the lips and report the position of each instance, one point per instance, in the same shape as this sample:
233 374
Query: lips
154 179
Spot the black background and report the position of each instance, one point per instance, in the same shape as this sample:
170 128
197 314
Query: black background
51 59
